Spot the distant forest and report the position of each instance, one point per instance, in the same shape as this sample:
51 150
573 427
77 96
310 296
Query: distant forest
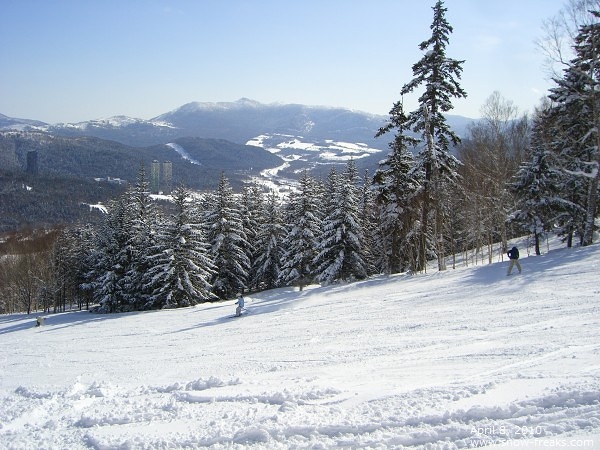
66 170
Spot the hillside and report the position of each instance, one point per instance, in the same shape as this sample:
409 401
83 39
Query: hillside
91 157
74 171
15 123
245 119
50 200
439 361
268 143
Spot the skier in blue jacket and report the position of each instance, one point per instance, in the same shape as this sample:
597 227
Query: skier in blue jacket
513 255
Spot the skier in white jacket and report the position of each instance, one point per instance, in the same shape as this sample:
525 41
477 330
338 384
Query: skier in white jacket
240 303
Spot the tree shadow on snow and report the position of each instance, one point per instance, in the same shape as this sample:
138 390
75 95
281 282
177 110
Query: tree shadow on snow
533 266
265 302
54 322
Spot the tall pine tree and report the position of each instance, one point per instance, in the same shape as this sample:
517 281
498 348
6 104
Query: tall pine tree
304 222
535 189
340 250
397 186
228 241
143 225
251 213
578 97
439 75
181 267
110 259
269 245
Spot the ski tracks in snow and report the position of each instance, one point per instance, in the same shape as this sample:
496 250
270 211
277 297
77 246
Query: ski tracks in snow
450 360
222 414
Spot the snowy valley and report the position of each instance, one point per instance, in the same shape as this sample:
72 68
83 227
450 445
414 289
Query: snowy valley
299 154
441 360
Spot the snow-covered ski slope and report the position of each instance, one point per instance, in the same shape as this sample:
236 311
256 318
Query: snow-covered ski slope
446 360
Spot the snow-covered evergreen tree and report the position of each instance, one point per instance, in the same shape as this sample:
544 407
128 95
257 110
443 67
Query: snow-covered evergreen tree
252 217
535 188
143 224
562 139
303 230
228 242
340 248
181 265
269 245
83 246
577 96
440 77
396 184
110 259
368 219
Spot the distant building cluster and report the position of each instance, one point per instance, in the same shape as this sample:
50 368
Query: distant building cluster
112 180
161 177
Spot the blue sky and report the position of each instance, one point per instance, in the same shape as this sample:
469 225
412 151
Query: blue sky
75 60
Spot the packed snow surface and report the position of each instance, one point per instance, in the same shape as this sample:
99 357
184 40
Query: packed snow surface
440 360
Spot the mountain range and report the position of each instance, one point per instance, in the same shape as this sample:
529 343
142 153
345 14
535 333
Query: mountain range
245 139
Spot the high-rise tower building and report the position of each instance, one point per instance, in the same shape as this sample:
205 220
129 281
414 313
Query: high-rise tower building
167 177
155 177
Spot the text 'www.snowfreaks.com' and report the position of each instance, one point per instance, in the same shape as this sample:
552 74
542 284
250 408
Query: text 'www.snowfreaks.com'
523 437
534 443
